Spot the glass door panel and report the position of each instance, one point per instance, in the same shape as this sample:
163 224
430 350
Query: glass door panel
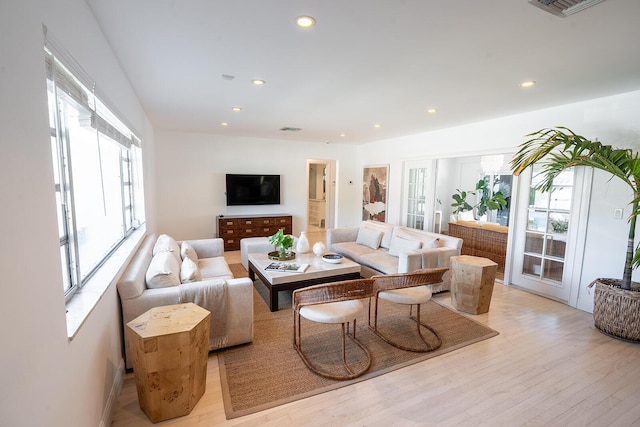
416 198
543 229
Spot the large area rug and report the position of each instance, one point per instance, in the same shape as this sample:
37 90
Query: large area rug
269 372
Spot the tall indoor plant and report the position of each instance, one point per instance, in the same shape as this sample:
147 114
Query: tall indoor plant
616 302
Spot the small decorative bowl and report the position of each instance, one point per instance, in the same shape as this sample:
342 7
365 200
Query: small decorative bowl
332 258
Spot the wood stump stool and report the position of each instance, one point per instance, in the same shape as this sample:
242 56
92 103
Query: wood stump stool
170 346
472 281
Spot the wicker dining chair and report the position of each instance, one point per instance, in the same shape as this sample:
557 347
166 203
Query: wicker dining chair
333 303
408 289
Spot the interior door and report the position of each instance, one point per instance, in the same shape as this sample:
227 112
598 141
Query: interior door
548 247
418 201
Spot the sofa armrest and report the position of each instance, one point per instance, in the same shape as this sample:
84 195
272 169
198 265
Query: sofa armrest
341 235
150 298
409 261
426 258
208 248
240 311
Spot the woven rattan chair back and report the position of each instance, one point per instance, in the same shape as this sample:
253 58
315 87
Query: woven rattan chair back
332 293
395 282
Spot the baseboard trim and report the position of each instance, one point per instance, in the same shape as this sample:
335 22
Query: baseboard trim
107 414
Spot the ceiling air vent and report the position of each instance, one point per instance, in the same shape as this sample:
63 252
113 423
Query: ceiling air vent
564 8
289 129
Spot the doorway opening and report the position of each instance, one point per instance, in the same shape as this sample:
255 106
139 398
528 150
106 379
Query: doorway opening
320 194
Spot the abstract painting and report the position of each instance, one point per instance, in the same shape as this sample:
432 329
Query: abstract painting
374 192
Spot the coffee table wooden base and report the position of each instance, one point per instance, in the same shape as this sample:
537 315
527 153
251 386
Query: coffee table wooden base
274 289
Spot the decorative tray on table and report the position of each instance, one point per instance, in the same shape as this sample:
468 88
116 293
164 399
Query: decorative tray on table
275 255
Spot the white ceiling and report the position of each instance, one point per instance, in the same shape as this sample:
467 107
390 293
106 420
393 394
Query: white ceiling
364 62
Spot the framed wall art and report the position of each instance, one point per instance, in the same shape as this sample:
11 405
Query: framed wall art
374 192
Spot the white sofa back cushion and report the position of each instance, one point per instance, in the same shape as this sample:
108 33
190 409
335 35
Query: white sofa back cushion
429 240
164 271
399 245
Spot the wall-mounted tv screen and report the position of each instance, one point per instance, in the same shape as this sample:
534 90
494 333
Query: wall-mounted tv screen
245 189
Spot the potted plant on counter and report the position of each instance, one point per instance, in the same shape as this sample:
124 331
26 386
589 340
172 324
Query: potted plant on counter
488 202
616 302
283 243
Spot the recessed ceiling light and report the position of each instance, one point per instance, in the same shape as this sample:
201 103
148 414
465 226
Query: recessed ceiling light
305 21
258 82
527 84
224 124
432 111
236 109
343 135
377 125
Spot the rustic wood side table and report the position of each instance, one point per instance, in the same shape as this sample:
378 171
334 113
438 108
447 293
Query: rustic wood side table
472 281
170 346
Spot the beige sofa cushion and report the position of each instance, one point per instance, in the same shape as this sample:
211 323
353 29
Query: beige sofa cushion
380 260
164 271
351 250
214 268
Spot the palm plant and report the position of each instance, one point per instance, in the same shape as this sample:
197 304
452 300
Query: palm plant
560 149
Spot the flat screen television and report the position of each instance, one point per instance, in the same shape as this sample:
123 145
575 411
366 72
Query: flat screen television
243 189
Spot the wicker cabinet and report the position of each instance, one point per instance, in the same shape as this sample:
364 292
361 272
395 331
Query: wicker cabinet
233 228
482 240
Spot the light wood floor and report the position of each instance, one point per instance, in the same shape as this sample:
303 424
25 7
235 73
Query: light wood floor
548 367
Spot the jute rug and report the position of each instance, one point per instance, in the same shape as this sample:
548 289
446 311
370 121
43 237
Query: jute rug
269 372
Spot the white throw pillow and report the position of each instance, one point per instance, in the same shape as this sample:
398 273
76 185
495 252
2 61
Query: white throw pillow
163 271
187 251
369 238
190 271
167 243
386 229
399 245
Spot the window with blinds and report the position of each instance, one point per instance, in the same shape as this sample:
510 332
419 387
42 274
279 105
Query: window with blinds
97 167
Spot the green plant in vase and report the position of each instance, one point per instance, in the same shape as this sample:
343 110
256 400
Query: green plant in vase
488 201
283 243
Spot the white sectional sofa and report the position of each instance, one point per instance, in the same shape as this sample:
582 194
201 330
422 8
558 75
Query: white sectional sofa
389 249
165 272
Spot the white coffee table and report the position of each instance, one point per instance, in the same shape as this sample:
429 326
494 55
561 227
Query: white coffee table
318 272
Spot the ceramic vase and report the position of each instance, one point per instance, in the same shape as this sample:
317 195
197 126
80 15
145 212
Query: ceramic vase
302 247
318 248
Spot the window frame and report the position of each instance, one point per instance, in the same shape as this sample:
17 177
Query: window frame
106 124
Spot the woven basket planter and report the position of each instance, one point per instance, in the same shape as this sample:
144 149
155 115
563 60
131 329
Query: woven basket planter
616 312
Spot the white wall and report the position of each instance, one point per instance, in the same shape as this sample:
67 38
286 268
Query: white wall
191 172
613 120
45 379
